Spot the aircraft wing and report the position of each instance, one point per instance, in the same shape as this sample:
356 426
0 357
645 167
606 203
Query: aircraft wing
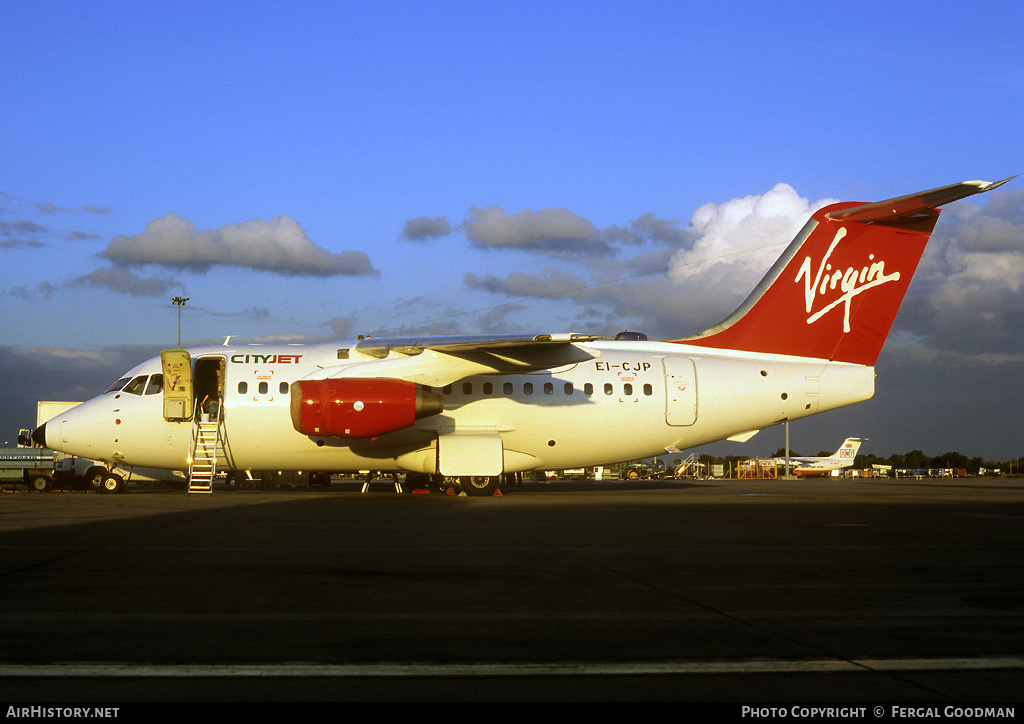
440 361
484 342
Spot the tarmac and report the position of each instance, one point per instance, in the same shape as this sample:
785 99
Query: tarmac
814 590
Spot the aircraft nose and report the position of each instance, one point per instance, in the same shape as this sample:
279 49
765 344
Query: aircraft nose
39 435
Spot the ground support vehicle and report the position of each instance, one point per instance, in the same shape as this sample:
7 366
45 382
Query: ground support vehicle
642 471
30 466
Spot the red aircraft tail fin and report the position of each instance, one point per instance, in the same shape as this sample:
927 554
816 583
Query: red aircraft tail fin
835 291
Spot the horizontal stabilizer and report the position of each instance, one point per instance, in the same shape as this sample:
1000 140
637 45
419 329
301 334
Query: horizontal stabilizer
906 207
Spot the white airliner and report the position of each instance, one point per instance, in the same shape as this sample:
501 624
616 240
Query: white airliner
841 458
478 407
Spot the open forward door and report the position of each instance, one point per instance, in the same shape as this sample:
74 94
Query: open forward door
178 397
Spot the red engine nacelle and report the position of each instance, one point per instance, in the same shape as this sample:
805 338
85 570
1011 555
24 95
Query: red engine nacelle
359 408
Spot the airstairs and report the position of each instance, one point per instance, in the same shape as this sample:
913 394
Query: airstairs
690 468
202 467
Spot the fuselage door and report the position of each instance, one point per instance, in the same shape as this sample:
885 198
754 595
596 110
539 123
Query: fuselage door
178 398
680 391
208 383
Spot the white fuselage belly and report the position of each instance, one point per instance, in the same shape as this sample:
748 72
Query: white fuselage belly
626 403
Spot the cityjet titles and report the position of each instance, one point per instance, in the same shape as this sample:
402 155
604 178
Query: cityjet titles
266 359
850 282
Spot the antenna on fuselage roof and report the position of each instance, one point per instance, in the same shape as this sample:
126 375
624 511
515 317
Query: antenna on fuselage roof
227 339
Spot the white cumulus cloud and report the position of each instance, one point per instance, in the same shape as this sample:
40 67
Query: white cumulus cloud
719 232
278 245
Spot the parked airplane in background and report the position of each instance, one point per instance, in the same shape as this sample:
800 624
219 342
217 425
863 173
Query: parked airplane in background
841 458
477 407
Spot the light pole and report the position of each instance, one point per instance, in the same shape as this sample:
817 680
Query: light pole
787 447
179 302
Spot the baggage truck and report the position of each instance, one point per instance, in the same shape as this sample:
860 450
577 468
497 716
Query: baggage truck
27 465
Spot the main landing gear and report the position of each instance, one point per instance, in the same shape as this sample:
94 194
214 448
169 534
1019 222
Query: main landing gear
480 484
477 485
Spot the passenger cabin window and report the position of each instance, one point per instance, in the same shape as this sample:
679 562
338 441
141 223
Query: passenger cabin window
488 388
608 389
283 388
507 388
136 386
568 388
548 388
467 388
243 388
627 388
264 387
648 390
588 389
527 388
156 385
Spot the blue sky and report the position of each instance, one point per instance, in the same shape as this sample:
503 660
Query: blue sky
313 171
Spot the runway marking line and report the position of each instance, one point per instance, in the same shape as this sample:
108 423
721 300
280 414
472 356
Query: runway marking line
380 670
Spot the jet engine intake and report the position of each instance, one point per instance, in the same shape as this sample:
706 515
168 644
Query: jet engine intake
359 408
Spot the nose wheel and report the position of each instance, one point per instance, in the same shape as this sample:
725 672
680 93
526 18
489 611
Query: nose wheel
104 481
113 483
94 478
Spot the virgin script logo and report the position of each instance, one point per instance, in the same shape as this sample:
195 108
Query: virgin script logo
849 282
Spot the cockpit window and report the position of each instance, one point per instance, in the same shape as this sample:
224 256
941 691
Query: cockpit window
136 386
118 385
156 385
